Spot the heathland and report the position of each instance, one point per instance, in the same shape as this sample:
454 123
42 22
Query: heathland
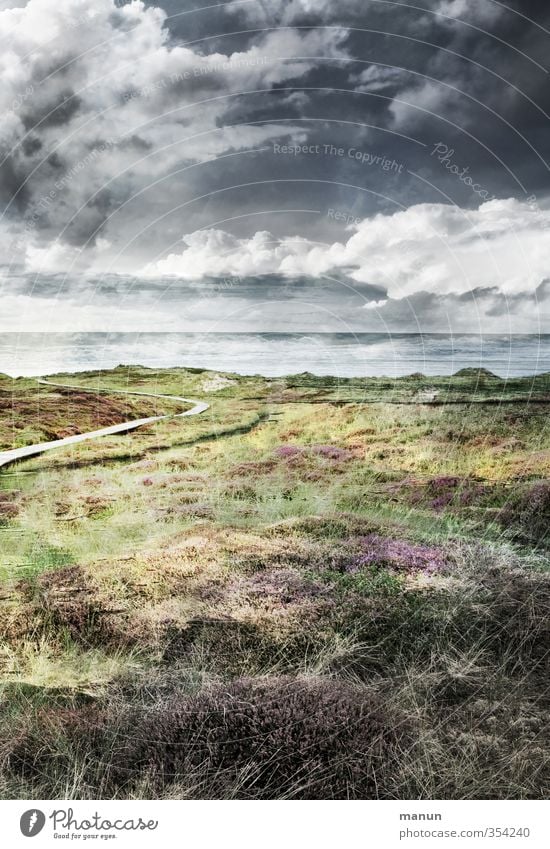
318 588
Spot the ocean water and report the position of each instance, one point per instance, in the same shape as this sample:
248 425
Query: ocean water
274 354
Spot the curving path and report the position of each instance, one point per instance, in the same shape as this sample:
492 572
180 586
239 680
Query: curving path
11 456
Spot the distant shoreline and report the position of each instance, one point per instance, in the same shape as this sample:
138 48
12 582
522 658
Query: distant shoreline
279 354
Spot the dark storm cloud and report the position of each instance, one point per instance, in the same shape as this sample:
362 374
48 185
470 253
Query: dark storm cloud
272 287
463 74
52 113
131 302
125 131
383 82
480 310
150 93
486 53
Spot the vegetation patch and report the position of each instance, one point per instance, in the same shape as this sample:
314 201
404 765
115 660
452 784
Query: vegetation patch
318 588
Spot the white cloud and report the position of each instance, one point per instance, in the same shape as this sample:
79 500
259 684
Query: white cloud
412 104
429 247
52 258
471 11
211 253
286 12
379 78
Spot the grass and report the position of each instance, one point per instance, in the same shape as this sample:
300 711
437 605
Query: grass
317 589
31 412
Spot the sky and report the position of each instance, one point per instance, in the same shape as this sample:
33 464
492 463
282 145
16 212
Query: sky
275 165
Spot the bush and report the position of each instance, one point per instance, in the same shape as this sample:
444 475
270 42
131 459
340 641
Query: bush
528 514
398 555
268 738
272 738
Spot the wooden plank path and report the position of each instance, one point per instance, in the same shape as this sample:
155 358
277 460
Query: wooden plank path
15 454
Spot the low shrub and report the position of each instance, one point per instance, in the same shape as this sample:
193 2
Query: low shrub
527 514
268 738
277 738
397 555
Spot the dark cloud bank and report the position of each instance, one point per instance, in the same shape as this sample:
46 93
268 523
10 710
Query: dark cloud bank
260 164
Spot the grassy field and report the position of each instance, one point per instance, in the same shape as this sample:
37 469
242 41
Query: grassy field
319 588
31 412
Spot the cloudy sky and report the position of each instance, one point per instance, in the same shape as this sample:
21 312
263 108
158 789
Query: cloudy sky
275 165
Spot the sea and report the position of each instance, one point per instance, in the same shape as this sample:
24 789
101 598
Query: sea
276 354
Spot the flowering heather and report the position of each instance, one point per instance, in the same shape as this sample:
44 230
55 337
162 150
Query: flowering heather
328 452
252 467
447 491
286 451
269 738
528 513
442 491
397 554
537 499
280 588
445 482
332 452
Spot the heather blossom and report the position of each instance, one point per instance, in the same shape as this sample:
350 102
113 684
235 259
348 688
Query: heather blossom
332 452
286 451
397 554
328 452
